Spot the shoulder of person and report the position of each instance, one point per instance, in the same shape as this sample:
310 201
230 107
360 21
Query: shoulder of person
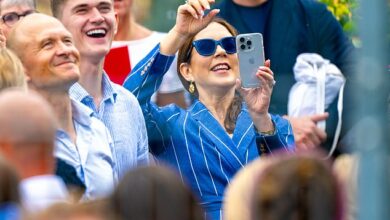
124 95
313 7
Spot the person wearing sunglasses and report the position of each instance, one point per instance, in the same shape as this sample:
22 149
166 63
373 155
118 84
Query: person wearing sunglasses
12 11
227 126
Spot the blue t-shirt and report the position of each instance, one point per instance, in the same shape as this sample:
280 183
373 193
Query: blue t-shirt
254 18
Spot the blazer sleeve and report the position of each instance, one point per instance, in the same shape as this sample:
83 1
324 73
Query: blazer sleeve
282 139
143 81
146 76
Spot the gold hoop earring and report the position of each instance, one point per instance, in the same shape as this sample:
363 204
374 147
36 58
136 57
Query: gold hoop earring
191 87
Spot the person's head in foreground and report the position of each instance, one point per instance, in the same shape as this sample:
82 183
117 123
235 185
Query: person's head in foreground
154 193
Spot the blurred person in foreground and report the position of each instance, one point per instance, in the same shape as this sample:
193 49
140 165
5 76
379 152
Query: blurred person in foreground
27 134
222 130
91 210
154 193
285 187
9 191
51 62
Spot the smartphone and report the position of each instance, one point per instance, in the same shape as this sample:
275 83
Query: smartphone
250 52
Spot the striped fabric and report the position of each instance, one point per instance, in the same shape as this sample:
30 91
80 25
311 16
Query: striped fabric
121 114
194 143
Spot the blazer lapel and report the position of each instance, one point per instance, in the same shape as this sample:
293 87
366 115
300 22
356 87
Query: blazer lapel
216 134
244 134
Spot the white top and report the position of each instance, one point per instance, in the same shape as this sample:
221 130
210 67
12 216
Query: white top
39 192
138 49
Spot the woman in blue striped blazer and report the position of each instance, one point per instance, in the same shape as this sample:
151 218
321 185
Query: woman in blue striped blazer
221 132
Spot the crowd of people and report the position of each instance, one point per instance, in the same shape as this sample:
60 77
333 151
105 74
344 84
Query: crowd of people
178 137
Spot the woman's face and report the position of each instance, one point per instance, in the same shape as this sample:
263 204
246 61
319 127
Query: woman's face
216 71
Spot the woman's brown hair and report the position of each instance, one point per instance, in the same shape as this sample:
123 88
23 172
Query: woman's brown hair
184 56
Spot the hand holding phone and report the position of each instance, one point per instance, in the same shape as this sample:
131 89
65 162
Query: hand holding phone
250 52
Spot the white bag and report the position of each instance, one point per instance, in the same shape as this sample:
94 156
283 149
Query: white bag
318 82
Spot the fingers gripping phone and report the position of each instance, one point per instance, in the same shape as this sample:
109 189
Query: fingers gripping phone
250 52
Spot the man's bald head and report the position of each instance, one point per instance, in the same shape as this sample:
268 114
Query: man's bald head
47 52
26 29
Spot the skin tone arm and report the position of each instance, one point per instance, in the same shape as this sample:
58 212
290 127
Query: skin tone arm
129 29
258 99
188 22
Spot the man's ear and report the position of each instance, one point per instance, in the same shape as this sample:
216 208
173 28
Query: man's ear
185 71
26 75
116 23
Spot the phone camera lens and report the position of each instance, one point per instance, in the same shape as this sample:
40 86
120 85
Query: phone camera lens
242 39
242 47
249 42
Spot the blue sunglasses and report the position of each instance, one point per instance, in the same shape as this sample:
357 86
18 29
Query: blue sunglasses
207 47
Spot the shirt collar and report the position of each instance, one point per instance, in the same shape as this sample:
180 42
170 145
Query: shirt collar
109 92
81 113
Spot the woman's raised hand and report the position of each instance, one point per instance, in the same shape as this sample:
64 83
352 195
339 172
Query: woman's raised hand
190 20
258 99
190 16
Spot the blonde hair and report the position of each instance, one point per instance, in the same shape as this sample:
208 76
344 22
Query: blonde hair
11 70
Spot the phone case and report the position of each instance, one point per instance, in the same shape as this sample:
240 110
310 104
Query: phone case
250 52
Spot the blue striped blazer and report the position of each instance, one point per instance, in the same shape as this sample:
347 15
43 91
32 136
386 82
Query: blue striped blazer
193 142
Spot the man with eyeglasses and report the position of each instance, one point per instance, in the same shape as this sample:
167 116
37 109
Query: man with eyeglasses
10 13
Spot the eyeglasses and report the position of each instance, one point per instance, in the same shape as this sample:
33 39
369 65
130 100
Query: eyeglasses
11 18
207 47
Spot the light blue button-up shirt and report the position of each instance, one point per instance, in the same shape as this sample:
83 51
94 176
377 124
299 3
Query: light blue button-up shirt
120 112
91 156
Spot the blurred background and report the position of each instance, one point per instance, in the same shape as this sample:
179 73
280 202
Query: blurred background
164 13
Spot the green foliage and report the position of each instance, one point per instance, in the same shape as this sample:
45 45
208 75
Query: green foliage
344 11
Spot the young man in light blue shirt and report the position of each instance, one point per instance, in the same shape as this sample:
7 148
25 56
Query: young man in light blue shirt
93 24
51 64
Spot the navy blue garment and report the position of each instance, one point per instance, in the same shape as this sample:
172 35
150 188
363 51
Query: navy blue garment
68 174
